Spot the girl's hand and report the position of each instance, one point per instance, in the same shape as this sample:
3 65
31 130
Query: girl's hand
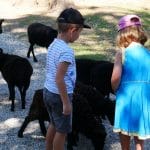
118 57
117 71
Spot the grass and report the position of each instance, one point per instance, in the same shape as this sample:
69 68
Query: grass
96 43
104 34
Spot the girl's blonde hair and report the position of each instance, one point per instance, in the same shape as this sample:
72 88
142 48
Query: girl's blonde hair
131 34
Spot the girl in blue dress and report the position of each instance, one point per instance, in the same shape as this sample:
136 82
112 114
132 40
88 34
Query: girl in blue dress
131 82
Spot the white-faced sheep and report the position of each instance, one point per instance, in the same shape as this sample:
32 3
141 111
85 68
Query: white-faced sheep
1 21
17 72
41 35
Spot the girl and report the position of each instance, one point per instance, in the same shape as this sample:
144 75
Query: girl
131 82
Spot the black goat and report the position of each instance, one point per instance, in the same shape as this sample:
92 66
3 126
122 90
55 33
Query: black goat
16 71
41 35
1 21
84 121
96 73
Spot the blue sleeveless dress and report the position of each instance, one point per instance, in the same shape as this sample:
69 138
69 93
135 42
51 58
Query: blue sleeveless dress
132 113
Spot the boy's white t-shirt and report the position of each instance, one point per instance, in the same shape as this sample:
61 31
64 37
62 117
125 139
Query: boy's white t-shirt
59 51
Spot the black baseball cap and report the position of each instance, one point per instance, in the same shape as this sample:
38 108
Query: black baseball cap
72 16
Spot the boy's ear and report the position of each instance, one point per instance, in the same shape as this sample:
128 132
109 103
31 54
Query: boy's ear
74 29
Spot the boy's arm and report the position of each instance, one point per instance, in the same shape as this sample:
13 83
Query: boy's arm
61 71
117 71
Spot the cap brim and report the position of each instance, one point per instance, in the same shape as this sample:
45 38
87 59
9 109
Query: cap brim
86 26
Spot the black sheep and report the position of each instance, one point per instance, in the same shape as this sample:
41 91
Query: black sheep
84 121
1 21
17 72
96 73
101 106
41 35
37 112
84 69
101 78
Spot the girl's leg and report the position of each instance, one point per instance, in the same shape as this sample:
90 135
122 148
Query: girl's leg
50 137
59 141
125 141
139 144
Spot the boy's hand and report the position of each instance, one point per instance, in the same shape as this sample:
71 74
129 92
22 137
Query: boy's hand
67 108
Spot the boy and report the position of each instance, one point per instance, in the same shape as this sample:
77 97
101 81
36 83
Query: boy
60 78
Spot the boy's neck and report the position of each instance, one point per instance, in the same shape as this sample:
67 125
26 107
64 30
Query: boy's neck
63 37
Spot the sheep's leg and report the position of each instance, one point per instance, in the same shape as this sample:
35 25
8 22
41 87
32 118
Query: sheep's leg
42 126
72 139
98 143
98 137
23 95
12 95
31 50
24 125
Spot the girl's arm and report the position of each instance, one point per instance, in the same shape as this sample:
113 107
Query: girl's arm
61 71
117 71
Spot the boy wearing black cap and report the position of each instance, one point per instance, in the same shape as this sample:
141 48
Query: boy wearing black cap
60 78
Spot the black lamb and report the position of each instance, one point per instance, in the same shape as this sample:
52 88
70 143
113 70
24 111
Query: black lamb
17 72
101 106
37 111
84 69
41 35
101 78
1 21
84 120
96 73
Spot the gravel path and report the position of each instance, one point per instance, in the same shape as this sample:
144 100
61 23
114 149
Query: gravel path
10 122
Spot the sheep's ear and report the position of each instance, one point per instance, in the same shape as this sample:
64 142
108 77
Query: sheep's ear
1 50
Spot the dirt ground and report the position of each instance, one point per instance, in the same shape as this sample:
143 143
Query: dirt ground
9 10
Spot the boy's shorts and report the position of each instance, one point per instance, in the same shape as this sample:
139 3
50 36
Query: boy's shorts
53 103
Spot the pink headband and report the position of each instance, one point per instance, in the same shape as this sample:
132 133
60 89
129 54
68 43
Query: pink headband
128 20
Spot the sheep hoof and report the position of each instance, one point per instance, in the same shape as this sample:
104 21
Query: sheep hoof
28 55
12 109
35 60
20 135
